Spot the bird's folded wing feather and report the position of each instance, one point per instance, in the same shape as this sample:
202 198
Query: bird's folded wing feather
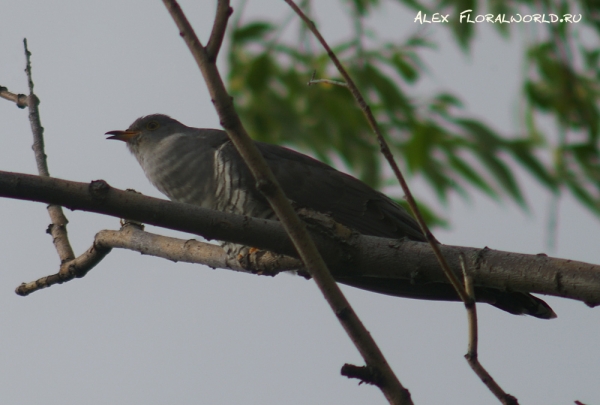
313 184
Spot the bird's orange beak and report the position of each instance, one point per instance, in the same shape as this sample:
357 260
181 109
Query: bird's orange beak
124 136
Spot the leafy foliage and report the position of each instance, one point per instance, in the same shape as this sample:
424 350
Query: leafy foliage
435 138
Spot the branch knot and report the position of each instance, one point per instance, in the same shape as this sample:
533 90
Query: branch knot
99 189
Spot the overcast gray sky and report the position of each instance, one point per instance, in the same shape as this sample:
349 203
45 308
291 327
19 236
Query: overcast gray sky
144 330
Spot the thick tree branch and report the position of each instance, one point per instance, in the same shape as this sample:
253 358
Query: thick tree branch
347 254
267 184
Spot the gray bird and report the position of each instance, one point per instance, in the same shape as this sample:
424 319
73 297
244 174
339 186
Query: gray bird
202 167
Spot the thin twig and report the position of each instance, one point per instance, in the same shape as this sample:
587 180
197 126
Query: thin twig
215 40
471 310
385 150
58 227
472 355
19 99
34 119
70 270
325 81
267 184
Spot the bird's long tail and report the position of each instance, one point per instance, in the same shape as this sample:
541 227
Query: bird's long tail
517 303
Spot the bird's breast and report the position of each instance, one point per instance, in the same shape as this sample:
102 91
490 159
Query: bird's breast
182 170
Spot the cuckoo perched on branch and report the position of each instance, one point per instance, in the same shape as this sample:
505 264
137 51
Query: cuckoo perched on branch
202 167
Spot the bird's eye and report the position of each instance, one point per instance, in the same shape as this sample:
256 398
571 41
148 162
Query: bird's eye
152 125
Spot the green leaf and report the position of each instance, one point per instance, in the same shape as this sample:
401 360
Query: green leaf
363 7
470 175
463 31
417 149
259 73
441 183
504 177
499 7
584 152
390 94
583 196
481 134
419 41
522 151
539 95
591 57
449 99
251 32
443 102
404 68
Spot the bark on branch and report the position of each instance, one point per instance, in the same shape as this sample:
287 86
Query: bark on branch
347 254
58 228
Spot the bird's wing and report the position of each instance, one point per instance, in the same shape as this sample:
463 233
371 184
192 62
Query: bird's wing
315 185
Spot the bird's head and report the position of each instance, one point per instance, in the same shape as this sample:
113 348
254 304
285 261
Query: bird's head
155 126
